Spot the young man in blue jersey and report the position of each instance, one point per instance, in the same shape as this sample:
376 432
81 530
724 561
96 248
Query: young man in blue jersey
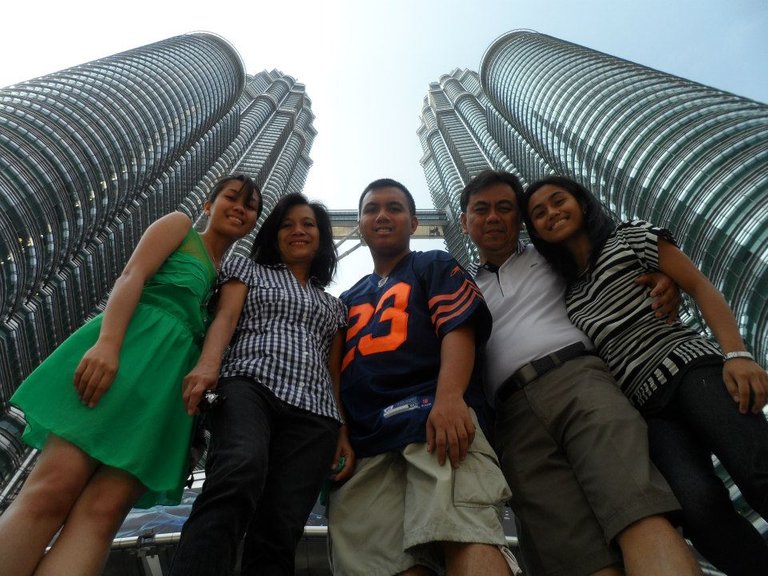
573 449
427 493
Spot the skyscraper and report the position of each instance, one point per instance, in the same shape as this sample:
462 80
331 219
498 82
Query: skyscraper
651 145
457 145
89 156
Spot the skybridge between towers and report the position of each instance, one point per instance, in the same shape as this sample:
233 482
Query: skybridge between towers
432 224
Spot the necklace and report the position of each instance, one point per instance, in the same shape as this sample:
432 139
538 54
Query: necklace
382 281
209 253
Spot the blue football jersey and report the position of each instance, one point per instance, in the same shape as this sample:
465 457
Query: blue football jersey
392 354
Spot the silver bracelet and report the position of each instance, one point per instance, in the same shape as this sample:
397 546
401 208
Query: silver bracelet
739 354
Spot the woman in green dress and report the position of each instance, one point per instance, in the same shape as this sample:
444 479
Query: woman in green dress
106 406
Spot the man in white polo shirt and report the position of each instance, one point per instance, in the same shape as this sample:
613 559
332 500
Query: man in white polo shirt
572 448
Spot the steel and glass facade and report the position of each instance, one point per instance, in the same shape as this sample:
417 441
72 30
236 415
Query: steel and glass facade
457 144
89 156
651 145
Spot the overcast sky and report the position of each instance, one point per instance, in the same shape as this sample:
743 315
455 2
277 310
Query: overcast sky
367 64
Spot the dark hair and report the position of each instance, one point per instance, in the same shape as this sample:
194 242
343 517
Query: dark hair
598 224
265 249
485 179
247 184
388 183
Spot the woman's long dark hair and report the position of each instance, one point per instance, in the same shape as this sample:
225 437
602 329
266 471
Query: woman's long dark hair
265 249
598 224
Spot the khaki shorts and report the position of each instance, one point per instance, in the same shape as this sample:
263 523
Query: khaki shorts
391 513
575 453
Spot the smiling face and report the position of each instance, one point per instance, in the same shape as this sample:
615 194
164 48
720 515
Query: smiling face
386 223
232 213
298 237
492 221
556 215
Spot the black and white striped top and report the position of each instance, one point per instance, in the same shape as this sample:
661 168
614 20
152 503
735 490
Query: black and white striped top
284 335
642 351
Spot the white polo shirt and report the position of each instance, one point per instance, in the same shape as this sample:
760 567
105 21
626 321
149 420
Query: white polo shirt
526 300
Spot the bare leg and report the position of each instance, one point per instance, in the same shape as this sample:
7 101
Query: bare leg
652 547
32 519
474 560
482 559
418 570
83 545
610 571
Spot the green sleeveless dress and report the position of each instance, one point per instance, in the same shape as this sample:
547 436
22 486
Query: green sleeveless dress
140 424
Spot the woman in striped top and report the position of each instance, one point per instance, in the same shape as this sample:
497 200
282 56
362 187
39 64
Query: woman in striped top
696 400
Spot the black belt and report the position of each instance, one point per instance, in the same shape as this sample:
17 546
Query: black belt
536 369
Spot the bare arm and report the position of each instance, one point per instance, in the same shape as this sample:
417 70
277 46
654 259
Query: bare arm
450 429
665 294
96 371
205 375
743 377
343 446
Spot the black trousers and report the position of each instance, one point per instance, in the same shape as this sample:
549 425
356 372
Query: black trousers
702 420
266 464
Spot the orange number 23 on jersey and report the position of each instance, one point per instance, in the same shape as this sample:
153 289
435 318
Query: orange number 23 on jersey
392 305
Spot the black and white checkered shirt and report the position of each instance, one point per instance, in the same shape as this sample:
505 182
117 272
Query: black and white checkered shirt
284 335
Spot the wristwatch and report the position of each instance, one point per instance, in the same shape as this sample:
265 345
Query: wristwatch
740 354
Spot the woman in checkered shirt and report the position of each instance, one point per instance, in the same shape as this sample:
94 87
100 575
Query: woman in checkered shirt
274 353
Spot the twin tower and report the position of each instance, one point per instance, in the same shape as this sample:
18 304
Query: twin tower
89 156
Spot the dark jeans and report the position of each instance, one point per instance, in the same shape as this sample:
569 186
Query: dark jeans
702 420
266 464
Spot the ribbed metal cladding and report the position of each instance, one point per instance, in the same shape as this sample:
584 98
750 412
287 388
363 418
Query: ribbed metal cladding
457 145
91 155
279 135
652 146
